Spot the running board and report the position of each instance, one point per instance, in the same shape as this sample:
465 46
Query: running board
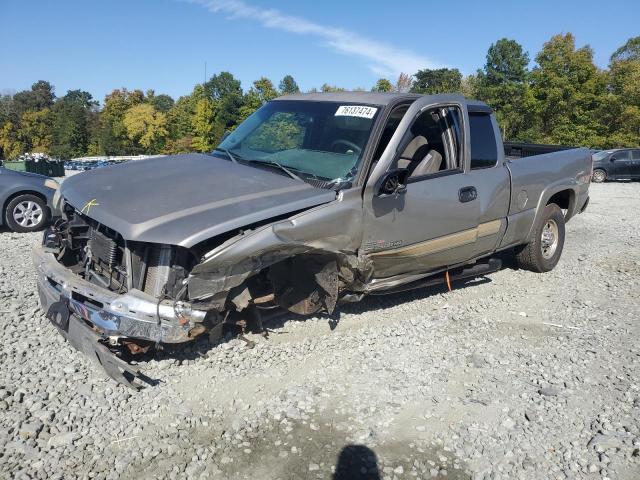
461 273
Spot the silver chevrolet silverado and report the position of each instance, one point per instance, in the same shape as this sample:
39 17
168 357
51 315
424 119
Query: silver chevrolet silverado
314 200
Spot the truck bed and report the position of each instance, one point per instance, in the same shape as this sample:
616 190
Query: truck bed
536 179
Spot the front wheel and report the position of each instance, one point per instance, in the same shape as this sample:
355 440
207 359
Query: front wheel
543 252
599 175
26 213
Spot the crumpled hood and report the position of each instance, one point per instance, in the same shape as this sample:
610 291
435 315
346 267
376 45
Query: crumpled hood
185 199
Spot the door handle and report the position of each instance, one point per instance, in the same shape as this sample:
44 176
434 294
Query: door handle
467 194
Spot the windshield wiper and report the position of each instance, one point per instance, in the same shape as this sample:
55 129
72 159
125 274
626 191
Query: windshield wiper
281 167
229 154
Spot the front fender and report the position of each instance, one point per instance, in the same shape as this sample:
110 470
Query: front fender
333 230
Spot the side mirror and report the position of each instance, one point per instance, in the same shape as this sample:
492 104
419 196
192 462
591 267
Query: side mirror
394 182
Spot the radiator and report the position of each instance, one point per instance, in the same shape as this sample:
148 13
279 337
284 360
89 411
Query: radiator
158 268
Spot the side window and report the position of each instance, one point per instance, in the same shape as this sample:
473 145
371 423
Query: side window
484 152
624 155
431 144
635 155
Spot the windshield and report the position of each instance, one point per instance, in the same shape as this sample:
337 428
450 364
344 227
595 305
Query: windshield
601 155
321 140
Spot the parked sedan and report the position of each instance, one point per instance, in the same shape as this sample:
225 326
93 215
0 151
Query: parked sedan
621 164
26 200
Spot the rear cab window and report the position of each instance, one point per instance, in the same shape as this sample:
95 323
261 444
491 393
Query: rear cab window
484 151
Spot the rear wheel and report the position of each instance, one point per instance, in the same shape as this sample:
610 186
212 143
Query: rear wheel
26 213
543 252
599 175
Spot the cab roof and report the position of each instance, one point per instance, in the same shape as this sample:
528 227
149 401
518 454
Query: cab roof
377 98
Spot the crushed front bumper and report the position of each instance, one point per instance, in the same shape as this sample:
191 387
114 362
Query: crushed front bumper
87 341
132 315
95 315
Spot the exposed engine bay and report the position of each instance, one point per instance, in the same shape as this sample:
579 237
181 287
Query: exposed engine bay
168 276
101 256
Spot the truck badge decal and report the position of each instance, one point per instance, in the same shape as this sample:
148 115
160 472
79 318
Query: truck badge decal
361 111
87 206
382 245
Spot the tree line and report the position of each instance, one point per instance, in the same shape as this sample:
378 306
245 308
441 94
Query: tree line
564 99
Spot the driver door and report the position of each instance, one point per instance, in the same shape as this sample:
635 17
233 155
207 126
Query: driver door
434 222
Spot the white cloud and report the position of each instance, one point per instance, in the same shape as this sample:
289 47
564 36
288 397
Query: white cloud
381 58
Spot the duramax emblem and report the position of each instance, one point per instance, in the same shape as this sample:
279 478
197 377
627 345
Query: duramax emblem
87 206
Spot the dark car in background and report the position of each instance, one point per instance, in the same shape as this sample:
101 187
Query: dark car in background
26 200
619 164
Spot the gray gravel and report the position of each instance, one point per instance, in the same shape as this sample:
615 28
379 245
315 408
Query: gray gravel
518 375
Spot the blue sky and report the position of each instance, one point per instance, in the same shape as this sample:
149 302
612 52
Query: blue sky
163 44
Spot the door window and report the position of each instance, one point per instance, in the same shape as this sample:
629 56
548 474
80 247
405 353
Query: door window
635 155
484 152
432 143
621 155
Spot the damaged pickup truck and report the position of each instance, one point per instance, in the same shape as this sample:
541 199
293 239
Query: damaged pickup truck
314 200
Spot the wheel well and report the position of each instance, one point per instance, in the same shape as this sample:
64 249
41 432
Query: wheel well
565 199
23 192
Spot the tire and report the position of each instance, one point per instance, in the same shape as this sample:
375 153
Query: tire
543 252
26 213
598 175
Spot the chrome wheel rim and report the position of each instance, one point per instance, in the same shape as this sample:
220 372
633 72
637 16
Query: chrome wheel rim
598 176
549 239
28 214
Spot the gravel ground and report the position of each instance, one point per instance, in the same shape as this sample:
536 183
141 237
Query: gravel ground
517 375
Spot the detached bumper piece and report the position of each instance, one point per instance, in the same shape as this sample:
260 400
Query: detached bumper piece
85 340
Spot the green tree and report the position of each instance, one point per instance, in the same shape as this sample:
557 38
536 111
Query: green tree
288 86
331 88
162 103
261 92
146 127
40 96
226 93
180 124
72 121
569 94
441 80
503 84
111 136
629 51
383 85
470 86
622 113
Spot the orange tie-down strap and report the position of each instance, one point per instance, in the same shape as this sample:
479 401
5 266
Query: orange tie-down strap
446 276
